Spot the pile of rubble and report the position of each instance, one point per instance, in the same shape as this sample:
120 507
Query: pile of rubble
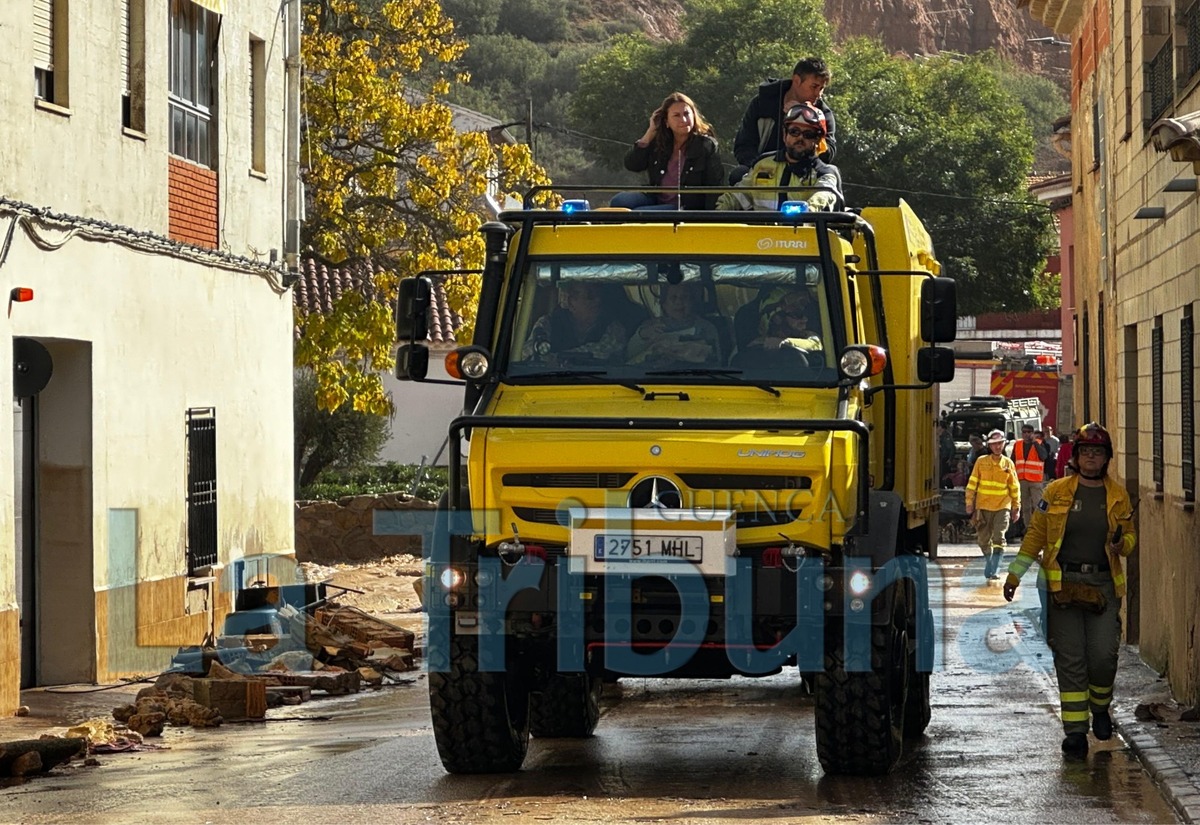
326 648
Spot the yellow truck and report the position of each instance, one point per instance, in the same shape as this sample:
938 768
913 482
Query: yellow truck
696 445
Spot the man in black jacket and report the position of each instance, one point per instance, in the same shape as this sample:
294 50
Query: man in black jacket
760 132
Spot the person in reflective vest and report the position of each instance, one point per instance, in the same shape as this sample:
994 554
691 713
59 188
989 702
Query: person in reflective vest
1081 530
1030 457
992 494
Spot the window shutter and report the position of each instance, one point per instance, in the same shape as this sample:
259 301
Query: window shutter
124 45
1187 403
250 63
43 34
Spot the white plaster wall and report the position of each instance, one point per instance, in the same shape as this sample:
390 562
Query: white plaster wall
423 415
167 335
82 163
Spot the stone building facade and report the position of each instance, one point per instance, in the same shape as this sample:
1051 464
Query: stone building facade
1135 106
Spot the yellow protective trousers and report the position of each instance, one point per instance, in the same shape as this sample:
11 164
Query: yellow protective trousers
1085 647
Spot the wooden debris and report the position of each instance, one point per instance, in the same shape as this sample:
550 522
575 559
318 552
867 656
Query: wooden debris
337 684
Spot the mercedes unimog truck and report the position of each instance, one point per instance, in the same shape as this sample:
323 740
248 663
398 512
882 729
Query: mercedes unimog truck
696 444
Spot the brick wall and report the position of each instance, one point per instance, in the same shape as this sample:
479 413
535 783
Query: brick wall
192 198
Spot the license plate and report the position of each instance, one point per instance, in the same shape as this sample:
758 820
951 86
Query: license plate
628 547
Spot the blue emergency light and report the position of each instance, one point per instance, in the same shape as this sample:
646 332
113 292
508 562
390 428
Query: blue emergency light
573 206
793 207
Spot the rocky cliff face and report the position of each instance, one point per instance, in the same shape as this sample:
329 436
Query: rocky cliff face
909 27
968 26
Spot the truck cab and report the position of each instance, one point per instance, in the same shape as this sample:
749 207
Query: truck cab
696 445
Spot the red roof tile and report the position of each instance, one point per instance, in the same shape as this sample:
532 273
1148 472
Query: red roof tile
319 286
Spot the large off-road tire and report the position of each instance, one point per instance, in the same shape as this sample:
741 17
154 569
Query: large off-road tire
860 715
480 720
918 709
568 706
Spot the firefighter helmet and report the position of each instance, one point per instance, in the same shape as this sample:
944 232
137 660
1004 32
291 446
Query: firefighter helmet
809 115
1092 435
996 436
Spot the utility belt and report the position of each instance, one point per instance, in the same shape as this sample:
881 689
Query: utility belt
1080 567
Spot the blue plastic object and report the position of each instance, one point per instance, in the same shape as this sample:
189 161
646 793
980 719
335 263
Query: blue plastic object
793 207
579 205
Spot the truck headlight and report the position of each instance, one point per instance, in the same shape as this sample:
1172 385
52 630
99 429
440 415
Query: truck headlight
451 578
469 363
859 583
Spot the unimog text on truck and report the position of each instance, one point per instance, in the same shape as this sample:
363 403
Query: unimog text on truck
697 444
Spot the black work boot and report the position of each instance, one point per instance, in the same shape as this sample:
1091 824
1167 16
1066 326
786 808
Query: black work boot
1075 745
1102 725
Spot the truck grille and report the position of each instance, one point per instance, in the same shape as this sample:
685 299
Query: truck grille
750 518
601 481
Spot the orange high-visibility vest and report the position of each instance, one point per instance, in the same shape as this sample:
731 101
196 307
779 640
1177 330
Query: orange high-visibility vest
1029 467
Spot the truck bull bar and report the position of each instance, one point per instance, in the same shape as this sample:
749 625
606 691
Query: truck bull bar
458 426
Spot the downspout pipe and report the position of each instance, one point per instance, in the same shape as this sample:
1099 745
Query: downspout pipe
292 201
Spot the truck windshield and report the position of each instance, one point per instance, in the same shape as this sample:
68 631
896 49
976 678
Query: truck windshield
677 321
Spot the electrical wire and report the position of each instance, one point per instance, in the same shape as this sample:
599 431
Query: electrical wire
951 195
35 221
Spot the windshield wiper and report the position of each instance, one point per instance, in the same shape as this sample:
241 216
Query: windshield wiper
719 373
581 374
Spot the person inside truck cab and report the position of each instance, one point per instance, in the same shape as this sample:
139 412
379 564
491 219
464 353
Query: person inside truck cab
679 334
796 164
788 331
583 328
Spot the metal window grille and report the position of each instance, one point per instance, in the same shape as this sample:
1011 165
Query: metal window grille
1190 22
201 488
1187 403
1156 401
1160 88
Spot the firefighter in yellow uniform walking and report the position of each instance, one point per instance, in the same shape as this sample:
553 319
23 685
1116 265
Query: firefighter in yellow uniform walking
1080 531
992 495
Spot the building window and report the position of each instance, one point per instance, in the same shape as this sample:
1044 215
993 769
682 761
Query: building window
1129 404
1158 68
1156 401
201 488
193 100
1188 29
133 64
1187 402
258 106
50 51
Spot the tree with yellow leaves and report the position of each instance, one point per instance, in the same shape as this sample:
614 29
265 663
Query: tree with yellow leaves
389 180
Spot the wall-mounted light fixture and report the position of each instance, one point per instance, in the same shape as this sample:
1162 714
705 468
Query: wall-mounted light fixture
1181 185
1150 213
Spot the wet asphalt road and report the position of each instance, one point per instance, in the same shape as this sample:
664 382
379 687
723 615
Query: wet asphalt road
681 752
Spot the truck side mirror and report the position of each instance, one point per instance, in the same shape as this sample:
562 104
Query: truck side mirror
935 365
412 362
413 303
939 310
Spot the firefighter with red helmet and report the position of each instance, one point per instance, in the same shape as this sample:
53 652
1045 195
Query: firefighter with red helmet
1080 531
796 164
